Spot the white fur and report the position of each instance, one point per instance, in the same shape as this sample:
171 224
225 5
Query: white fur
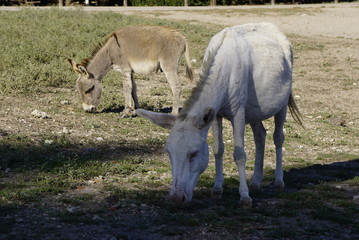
247 78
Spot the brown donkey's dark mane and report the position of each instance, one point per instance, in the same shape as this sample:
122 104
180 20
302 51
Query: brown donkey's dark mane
96 49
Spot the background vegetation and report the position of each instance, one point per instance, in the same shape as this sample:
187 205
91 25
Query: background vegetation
163 2
98 176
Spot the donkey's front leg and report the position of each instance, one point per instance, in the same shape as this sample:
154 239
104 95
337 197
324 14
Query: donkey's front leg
238 123
218 150
127 91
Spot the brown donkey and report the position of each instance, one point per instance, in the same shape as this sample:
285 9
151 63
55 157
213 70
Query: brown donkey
135 49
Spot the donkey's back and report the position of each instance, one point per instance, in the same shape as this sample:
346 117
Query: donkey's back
146 48
269 60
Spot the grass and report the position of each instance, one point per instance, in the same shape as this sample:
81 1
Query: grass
121 181
33 61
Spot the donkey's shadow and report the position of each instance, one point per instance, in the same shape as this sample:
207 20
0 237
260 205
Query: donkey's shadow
149 108
318 173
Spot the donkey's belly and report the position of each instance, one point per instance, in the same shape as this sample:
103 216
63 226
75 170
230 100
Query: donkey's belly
265 107
144 66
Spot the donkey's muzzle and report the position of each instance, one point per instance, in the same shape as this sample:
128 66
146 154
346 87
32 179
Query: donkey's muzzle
179 199
89 108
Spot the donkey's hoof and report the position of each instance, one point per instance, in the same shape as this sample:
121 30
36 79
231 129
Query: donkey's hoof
216 193
245 202
174 113
254 187
128 113
279 187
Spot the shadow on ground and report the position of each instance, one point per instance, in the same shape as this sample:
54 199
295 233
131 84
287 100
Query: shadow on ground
318 173
19 152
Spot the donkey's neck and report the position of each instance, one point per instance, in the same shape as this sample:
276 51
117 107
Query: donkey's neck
213 93
100 64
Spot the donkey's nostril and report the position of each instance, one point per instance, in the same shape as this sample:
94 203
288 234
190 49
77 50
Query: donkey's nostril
178 200
91 109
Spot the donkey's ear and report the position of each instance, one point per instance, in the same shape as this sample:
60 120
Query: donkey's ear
74 65
83 71
162 119
78 68
204 120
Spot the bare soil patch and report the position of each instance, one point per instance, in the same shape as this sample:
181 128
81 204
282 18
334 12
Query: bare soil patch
329 20
326 46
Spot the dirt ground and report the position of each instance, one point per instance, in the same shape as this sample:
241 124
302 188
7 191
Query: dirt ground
330 20
325 22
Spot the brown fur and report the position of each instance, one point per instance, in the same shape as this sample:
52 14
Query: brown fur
140 49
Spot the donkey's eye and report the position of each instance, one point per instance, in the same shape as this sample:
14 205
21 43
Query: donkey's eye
192 155
90 89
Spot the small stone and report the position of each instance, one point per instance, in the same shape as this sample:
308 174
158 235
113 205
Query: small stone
96 217
356 199
49 142
72 209
64 102
19 220
65 130
296 97
39 114
193 60
100 139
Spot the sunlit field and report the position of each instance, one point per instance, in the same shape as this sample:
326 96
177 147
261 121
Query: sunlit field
75 175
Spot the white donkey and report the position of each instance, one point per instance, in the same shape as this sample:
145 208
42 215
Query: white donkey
135 49
246 77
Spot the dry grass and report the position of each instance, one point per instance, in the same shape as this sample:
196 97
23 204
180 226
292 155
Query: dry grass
99 175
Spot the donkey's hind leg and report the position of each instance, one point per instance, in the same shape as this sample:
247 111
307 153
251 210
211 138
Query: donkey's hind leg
176 87
259 134
278 137
127 91
134 91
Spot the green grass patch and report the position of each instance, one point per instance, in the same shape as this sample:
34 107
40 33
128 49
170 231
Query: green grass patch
36 52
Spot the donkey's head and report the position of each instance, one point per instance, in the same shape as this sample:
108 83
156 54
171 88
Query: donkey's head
187 148
88 86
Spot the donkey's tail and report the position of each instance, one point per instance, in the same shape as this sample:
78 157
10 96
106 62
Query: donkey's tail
189 69
294 111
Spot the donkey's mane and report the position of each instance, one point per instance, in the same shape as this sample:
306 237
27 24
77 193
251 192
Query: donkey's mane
196 91
96 49
203 76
